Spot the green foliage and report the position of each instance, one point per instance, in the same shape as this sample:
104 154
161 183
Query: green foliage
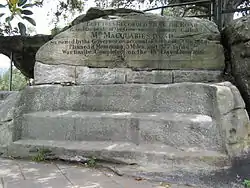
17 8
22 28
92 162
30 20
41 155
246 183
18 80
55 31
180 11
65 7
173 11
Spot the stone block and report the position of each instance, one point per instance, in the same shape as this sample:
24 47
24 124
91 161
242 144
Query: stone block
49 74
207 99
150 77
37 127
85 75
196 76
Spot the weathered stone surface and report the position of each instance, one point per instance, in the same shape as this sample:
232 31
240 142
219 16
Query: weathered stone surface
174 129
137 40
236 40
215 100
85 75
236 128
151 132
7 108
48 74
233 120
6 133
125 153
238 30
241 67
150 77
197 76
238 102
5 94
94 13
240 70
182 98
226 100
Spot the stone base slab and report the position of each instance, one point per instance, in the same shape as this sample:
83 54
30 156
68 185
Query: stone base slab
222 102
79 75
174 129
122 152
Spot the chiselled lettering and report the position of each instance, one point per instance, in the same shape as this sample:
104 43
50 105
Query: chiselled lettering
121 37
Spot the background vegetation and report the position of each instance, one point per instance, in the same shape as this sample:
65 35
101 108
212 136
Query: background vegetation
18 81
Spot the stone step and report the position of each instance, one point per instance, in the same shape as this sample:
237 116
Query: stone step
173 129
194 98
121 152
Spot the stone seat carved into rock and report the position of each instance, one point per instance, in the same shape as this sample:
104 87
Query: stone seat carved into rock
132 88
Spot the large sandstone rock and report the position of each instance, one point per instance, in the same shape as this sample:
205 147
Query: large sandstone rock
236 39
131 39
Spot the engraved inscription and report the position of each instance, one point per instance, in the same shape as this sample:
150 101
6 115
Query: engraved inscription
130 37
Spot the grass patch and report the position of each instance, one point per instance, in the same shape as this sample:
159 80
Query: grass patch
41 155
91 162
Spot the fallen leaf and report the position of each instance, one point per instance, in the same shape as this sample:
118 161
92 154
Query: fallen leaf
138 179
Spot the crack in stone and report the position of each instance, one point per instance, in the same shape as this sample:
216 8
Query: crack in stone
64 174
234 109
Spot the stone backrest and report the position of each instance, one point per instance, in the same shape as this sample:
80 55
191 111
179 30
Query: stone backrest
117 45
